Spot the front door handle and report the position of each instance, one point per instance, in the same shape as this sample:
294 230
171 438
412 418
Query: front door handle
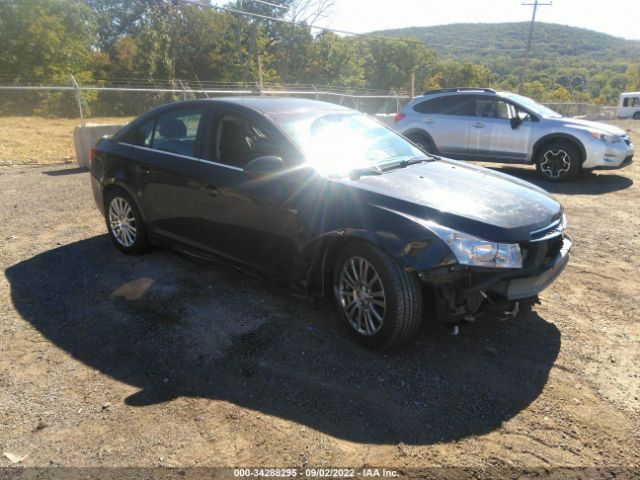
478 125
144 170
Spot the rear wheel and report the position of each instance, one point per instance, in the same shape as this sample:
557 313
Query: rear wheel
124 223
423 141
380 303
558 161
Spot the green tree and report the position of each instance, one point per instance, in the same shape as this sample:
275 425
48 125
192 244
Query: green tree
335 61
389 63
45 38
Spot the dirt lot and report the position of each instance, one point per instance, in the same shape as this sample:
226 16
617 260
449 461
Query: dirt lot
108 360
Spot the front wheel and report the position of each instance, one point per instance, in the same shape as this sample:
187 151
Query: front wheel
558 161
380 302
636 116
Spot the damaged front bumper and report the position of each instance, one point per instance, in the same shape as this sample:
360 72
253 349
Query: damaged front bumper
532 285
462 292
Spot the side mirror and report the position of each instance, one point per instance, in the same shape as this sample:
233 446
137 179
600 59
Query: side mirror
515 122
262 167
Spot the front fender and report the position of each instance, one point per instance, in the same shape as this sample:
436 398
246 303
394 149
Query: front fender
409 243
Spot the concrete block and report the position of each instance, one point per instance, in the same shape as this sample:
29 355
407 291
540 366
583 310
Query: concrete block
84 138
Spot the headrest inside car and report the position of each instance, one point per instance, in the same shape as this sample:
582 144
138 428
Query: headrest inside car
174 128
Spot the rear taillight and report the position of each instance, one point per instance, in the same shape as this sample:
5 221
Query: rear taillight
92 156
399 116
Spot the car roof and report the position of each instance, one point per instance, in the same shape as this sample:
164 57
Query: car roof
276 105
447 92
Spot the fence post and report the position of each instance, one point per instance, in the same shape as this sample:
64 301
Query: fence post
201 87
78 99
184 90
395 94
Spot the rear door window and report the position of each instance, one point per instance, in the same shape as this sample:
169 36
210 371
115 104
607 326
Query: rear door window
447 105
177 132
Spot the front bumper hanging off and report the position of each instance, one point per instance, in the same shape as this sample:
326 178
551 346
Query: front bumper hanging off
461 293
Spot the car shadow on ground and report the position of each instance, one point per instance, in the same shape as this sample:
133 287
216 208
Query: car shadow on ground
584 184
65 171
175 327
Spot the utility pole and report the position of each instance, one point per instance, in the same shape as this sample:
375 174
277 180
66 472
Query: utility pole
413 78
535 5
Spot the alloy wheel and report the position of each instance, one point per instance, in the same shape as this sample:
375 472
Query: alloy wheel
122 222
555 163
362 296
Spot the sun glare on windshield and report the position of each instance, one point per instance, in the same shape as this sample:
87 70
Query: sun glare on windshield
337 144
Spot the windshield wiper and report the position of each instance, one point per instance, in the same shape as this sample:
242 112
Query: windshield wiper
411 161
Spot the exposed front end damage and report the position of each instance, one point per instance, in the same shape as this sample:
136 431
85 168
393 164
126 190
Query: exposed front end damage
462 293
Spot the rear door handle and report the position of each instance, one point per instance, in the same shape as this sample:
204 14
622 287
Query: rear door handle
478 125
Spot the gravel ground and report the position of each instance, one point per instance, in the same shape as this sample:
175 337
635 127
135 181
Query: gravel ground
162 360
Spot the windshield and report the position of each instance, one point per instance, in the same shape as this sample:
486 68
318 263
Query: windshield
534 106
339 143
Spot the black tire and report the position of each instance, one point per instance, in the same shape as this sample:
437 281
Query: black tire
636 116
558 161
401 294
115 199
423 141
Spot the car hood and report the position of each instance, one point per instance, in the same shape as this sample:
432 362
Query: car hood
589 125
467 198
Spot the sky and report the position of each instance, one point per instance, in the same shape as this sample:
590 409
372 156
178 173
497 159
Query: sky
620 18
615 17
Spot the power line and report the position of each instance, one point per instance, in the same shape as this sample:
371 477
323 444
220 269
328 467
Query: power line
275 5
535 5
291 22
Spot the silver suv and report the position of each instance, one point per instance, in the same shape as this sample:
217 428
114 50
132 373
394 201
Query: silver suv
482 124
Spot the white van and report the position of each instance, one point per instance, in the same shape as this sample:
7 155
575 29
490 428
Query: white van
629 105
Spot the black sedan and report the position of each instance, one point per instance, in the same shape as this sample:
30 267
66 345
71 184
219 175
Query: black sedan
329 200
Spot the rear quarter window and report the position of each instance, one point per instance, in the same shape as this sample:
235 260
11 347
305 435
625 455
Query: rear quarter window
143 133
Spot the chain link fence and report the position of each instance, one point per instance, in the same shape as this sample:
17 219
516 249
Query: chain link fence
87 102
133 99
586 110
30 112
32 115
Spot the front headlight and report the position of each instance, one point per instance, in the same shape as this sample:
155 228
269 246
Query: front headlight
470 250
605 137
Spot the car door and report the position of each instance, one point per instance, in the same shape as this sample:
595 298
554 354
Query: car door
168 146
448 119
253 221
494 136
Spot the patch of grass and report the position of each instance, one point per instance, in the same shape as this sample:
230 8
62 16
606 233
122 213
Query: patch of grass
41 141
